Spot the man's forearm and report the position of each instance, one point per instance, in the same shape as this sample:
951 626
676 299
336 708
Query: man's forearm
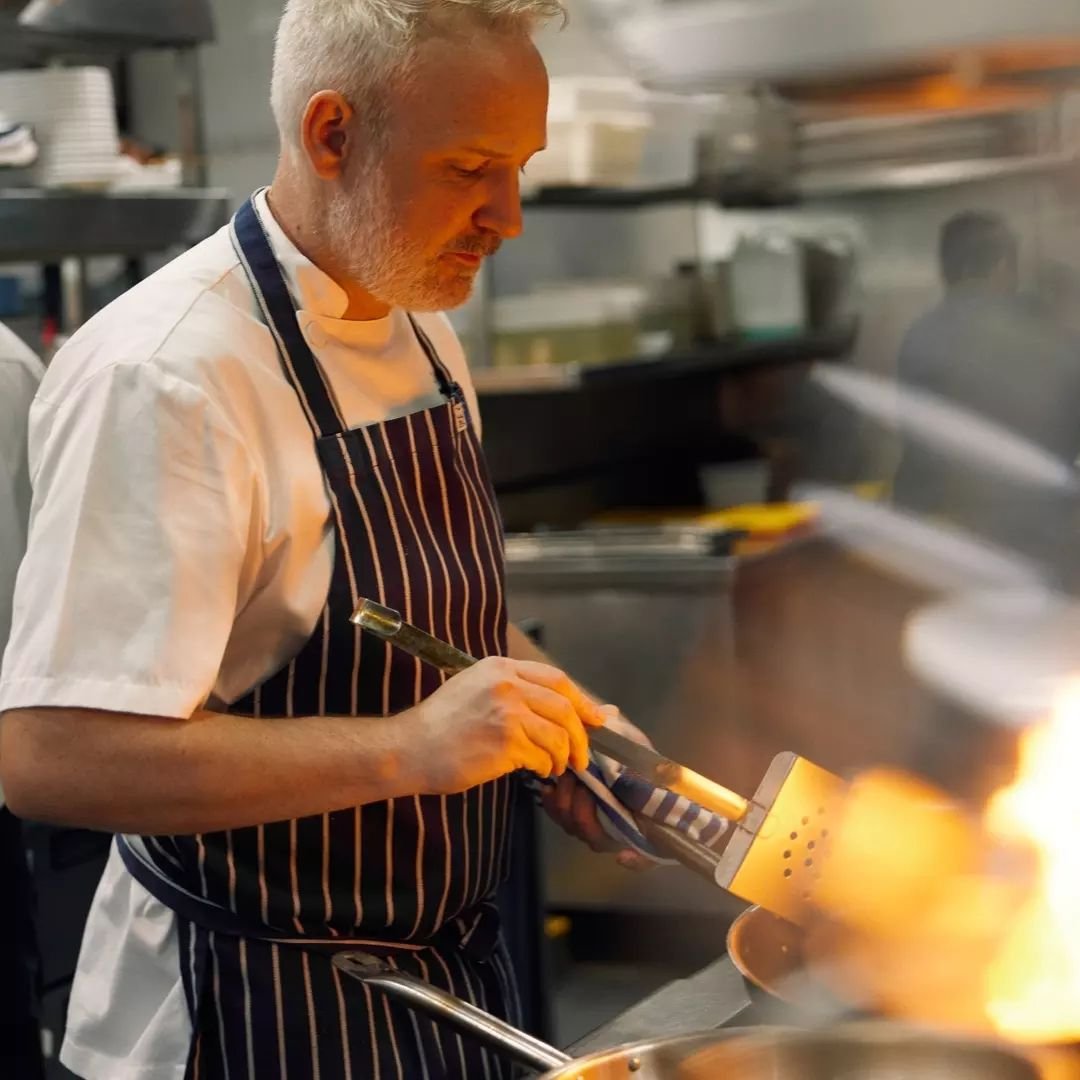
140 774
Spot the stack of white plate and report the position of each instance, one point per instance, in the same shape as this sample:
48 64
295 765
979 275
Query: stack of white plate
73 114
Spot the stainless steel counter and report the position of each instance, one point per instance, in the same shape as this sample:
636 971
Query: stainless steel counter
636 617
713 998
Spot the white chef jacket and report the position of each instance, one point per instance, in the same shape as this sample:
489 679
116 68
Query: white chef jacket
180 552
20 373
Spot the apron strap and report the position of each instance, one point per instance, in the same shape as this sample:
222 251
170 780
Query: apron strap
475 933
448 387
301 368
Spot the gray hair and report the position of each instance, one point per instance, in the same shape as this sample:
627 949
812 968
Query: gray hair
357 46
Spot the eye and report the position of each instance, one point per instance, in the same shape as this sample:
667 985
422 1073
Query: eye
472 173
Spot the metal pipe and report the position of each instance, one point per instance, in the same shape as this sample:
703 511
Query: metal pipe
433 1002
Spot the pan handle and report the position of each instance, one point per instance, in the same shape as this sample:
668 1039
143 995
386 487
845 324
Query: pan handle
437 1004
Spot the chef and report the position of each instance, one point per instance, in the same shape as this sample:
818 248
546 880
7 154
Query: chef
225 460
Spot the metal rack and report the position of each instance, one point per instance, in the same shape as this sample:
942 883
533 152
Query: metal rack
68 227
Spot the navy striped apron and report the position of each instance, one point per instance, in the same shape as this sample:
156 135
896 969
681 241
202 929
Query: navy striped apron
262 910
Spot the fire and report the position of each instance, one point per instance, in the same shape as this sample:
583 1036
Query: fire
971 923
1033 984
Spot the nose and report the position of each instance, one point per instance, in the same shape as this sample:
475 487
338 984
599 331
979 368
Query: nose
500 211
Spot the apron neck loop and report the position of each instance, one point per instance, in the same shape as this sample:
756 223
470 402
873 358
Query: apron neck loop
302 369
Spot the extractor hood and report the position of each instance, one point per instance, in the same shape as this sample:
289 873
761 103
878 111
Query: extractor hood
171 22
702 45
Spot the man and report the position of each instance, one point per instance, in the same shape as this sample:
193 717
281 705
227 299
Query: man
20 1041
226 460
983 348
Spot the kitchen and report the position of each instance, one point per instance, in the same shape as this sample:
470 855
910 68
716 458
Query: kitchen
687 373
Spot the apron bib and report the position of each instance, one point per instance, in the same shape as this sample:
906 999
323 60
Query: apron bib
262 910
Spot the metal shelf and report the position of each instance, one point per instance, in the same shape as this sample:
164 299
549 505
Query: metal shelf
592 198
144 26
49 226
929 175
700 360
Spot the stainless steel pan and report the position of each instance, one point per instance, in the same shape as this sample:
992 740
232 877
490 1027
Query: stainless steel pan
868 1052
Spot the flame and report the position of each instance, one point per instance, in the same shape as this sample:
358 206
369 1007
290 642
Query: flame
1033 984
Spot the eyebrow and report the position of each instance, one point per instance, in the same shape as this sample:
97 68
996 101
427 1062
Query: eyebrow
484 151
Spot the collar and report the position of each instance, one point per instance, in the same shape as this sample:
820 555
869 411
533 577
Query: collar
314 292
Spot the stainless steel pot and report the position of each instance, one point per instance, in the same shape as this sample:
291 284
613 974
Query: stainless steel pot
866 1052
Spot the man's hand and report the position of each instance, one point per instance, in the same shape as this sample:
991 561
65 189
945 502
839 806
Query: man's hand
571 805
499 716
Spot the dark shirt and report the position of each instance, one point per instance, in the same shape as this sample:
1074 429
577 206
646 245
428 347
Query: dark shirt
992 356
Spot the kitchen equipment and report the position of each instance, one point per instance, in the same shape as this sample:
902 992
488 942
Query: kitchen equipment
749 153
577 322
775 851
767 285
73 114
172 21
387 624
701 45
831 284
857 1053
771 955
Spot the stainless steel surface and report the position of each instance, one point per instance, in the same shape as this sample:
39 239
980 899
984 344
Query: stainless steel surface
171 22
716 997
936 174
52 225
866 1052
640 562
666 622
704 45
770 954
774 855
196 171
493 1032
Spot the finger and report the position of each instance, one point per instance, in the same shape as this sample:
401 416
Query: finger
535 759
586 820
557 799
633 860
554 679
557 709
564 796
549 737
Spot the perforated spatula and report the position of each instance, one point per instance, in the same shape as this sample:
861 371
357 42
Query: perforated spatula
780 835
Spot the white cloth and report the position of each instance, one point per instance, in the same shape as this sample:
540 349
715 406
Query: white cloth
20 373
181 550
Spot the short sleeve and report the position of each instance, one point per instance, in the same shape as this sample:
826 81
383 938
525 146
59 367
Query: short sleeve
144 508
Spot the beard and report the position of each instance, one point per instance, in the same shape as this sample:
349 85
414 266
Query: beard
391 265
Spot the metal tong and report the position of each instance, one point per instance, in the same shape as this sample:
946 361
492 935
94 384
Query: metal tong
387 624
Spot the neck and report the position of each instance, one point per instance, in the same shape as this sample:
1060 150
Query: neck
295 211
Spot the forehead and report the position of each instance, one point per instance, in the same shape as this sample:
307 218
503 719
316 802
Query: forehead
484 89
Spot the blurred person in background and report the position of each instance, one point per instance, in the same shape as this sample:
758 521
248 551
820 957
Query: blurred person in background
992 351
20 1041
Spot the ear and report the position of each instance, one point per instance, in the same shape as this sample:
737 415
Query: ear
325 133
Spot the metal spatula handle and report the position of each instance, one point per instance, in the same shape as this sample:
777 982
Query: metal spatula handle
388 624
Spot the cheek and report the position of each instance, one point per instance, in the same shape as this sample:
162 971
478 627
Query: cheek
438 215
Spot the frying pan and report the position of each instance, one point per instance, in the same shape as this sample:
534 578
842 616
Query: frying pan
867 1052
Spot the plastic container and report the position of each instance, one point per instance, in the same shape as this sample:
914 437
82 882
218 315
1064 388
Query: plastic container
602 149
575 323
768 286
